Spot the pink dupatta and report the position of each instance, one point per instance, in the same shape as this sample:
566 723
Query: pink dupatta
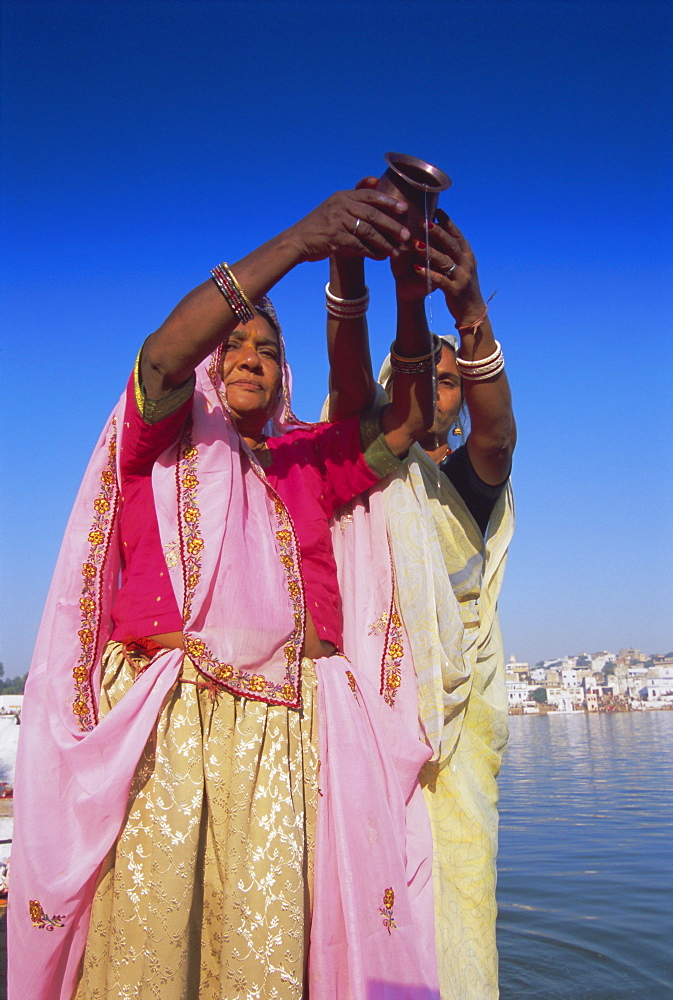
230 544
373 931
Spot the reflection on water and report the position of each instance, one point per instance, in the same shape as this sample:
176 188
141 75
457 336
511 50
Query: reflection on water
585 883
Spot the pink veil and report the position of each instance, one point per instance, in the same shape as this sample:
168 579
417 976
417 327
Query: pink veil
73 770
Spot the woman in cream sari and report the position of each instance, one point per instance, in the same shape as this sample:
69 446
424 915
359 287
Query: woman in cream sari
449 520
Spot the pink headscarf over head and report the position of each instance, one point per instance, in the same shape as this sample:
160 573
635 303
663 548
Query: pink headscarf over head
234 564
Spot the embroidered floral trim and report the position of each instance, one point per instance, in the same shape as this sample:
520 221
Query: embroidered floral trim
189 517
104 512
390 624
240 682
352 685
379 626
172 554
393 646
391 663
40 919
386 910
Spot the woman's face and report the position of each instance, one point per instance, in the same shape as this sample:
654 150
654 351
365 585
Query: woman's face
449 399
251 374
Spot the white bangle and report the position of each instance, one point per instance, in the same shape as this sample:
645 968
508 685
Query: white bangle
344 314
335 300
482 361
346 308
484 368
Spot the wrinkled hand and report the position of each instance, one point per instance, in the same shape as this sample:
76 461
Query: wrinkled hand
452 268
361 223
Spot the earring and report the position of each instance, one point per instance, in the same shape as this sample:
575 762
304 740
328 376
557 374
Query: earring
457 431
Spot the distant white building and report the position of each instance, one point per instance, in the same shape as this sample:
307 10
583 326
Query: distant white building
517 693
636 680
660 688
561 699
569 677
598 660
616 684
520 670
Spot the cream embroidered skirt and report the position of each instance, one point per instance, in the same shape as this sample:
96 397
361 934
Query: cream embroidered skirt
207 892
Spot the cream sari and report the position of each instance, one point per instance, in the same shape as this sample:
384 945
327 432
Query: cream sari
446 557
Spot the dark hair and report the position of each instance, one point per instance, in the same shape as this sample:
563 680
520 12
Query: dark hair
265 309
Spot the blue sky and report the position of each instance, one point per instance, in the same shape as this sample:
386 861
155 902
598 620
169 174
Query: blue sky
145 141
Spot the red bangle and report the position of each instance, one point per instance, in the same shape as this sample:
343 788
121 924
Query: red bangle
473 326
477 323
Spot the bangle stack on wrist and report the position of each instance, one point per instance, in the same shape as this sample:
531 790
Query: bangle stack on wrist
346 308
416 366
479 371
237 300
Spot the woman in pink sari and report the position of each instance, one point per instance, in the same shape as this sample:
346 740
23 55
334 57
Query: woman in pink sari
174 730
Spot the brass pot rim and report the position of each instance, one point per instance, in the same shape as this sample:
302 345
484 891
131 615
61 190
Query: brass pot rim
437 179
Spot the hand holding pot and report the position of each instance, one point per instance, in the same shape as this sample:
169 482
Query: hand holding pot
363 223
452 267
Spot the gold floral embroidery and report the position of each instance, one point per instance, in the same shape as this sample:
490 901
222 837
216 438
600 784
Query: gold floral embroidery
192 543
40 919
239 682
380 625
224 672
390 624
195 647
386 910
104 508
172 554
352 685
393 652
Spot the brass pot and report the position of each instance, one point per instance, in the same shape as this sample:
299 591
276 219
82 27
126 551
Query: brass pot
419 184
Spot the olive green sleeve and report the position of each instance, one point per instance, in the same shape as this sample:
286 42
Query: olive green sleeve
377 454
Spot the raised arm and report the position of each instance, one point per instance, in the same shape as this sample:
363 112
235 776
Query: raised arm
492 437
352 388
359 222
352 383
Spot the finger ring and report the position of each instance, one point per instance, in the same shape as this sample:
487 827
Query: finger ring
451 270
355 231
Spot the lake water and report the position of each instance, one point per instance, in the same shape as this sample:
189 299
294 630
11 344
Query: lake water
585 882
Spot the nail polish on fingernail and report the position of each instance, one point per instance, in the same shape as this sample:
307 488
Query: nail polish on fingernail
431 226
420 245
417 267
